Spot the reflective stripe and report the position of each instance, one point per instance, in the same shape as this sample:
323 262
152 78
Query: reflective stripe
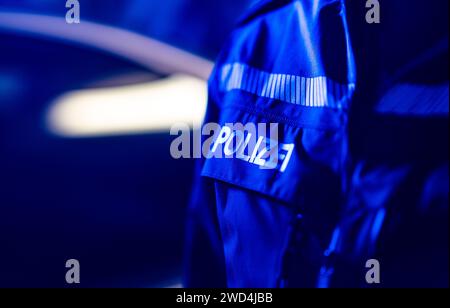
316 92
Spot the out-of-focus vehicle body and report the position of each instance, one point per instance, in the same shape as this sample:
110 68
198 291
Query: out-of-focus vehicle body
115 200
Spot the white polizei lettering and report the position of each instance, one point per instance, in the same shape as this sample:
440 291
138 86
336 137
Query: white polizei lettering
224 134
259 157
289 148
244 143
272 155
241 150
256 149
230 149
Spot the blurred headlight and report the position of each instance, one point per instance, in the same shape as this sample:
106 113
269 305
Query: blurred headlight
143 108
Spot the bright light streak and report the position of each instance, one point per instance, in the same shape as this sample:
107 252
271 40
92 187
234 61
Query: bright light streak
142 108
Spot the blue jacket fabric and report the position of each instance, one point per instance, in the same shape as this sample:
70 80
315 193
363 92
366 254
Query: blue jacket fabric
288 62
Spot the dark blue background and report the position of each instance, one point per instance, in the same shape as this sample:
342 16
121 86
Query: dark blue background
116 204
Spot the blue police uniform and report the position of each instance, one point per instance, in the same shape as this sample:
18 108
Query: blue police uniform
310 215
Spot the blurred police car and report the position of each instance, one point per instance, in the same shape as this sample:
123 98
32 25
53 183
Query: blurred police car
85 168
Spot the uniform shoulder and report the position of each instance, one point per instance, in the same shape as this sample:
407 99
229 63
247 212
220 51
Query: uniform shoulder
262 7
